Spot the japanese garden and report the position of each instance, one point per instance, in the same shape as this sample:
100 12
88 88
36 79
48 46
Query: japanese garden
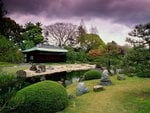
64 67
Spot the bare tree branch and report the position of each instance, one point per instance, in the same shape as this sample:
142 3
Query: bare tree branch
62 33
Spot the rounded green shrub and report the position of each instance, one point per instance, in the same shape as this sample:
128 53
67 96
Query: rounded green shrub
42 97
92 74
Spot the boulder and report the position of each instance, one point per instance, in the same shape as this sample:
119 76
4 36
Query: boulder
42 68
81 89
105 81
105 73
38 71
98 88
21 73
33 67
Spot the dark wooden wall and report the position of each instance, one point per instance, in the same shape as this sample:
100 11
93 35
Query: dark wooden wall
44 57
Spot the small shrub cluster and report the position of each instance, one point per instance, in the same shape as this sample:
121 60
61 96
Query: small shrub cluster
42 97
92 74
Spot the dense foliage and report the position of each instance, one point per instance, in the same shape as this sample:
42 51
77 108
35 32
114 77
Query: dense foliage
137 62
92 74
110 57
2 9
9 85
74 56
90 41
41 97
9 52
140 36
32 35
10 29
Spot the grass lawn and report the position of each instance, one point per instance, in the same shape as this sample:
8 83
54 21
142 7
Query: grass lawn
129 96
2 64
13 68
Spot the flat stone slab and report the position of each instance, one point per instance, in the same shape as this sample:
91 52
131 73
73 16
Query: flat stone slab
59 68
98 88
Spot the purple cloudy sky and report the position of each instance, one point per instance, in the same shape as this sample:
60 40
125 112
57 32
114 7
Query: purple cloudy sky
113 18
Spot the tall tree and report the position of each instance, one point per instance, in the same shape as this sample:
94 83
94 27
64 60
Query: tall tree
3 12
10 29
82 28
113 55
140 36
9 52
139 57
93 30
32 35
90 41
62 34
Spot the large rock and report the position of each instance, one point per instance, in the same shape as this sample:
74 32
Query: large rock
105 73
21 73
33 67
81 89
42 68
105 81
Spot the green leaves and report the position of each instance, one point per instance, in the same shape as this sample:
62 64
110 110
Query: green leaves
90 41
32 35
140 60
139 57
9 51
10 29
9 84
46 96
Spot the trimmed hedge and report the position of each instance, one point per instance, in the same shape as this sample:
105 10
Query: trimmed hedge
92 74
42 97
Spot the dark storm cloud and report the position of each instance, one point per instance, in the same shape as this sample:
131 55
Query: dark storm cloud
125 11
128 11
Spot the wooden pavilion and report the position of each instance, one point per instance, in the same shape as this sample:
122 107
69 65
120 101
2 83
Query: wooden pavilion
44 53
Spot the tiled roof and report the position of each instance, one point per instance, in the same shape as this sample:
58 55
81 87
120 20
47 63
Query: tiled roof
47 48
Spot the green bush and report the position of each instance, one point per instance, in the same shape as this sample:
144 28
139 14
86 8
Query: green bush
76 55
92 74
136 62
42 97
